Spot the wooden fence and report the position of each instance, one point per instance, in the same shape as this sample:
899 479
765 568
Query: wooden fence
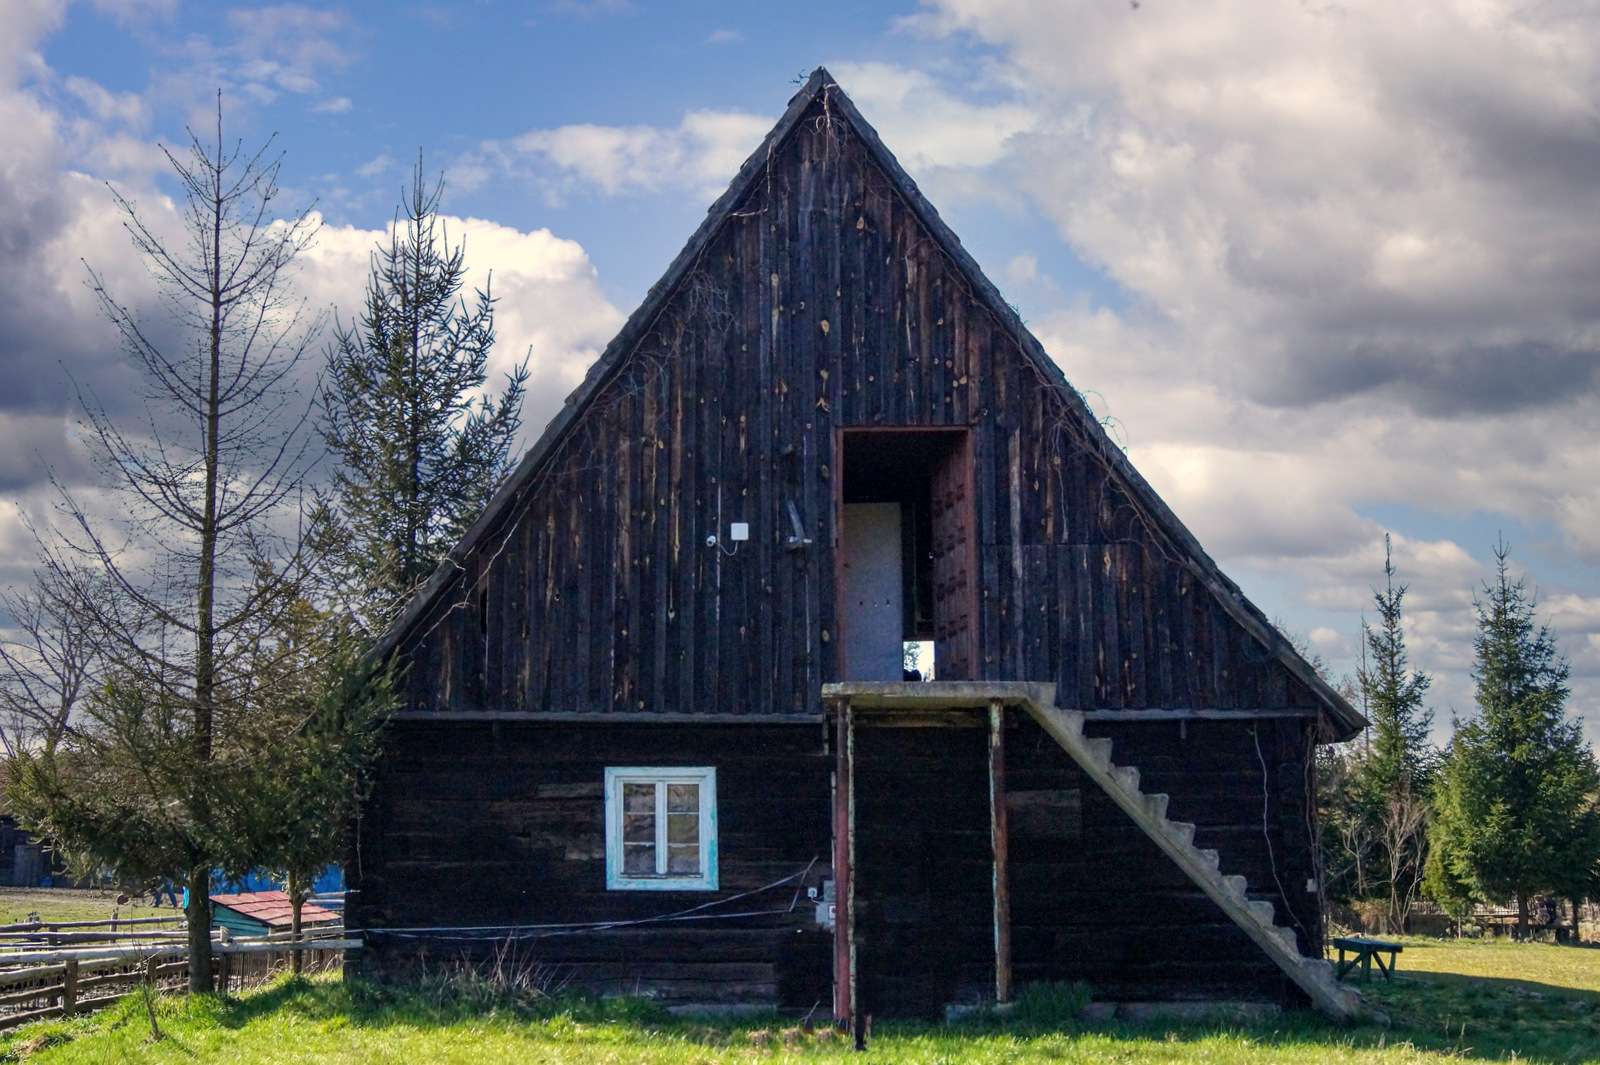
60 969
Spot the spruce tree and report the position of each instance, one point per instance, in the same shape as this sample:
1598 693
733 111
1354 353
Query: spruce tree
1390 777
1515 803
1397 760
420 446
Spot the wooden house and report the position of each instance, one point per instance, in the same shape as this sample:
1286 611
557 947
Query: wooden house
657 733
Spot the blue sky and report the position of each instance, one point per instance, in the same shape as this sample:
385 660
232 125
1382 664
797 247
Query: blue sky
476 71
1330 268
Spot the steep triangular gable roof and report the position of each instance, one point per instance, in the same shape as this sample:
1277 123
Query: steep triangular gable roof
1343 719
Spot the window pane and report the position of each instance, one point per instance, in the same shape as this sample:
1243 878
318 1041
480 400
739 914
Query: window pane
639 798
683 859
683 828
639 828
683 798
639 859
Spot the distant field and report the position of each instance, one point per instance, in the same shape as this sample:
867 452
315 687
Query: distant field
67 904
1451 1002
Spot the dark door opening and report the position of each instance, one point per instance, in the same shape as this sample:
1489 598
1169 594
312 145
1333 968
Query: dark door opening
924 873
907 555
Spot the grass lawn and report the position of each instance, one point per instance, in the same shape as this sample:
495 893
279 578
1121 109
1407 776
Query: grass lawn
70 904
1471 1001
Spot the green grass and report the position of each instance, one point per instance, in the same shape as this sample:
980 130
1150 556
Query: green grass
71 904
1455 1002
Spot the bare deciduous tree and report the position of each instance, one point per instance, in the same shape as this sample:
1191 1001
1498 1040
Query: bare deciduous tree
197 554
46 666
1404 843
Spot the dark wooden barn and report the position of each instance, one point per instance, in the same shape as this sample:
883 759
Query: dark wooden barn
666 727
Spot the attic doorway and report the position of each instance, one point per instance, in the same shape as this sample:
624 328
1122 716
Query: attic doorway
906 554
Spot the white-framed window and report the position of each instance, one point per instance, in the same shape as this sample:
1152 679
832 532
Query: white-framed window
661 828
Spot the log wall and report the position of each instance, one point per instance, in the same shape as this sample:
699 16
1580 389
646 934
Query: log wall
481 825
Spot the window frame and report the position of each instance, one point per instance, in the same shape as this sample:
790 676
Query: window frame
705 778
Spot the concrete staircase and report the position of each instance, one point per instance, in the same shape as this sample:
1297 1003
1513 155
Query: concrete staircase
1176 839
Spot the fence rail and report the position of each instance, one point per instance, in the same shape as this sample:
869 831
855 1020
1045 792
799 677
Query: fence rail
36 984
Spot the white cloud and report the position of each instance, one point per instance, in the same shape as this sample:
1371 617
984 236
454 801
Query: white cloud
550 307
127 108
51 185
927 127
701 153
724 36
378 164
264 53
1358 245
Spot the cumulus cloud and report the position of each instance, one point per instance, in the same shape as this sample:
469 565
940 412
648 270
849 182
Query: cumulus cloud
1358 246
549 308
60 136
928 127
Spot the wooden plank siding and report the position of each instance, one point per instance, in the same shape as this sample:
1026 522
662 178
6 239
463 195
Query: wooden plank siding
1094 900
822 302
479 824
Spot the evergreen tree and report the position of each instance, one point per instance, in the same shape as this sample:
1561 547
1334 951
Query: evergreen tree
1514 808
421 449
310 743
1387 791
1397 760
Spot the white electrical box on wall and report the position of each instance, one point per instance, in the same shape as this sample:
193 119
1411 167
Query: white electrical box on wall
739 531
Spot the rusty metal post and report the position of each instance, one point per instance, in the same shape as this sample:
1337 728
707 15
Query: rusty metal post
999 832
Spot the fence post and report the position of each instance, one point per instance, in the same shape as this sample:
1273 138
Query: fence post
222 972
69 988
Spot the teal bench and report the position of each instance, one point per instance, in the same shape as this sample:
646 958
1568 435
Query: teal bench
1365 952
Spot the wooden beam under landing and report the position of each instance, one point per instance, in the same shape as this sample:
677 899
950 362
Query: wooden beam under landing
999 842
846 1007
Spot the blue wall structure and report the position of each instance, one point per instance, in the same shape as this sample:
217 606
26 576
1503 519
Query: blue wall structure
330 879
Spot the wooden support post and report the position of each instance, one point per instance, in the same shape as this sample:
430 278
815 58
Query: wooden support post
999 834
222 972
845 1006
69 988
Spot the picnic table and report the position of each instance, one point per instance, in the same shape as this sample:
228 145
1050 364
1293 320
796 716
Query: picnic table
1366 952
